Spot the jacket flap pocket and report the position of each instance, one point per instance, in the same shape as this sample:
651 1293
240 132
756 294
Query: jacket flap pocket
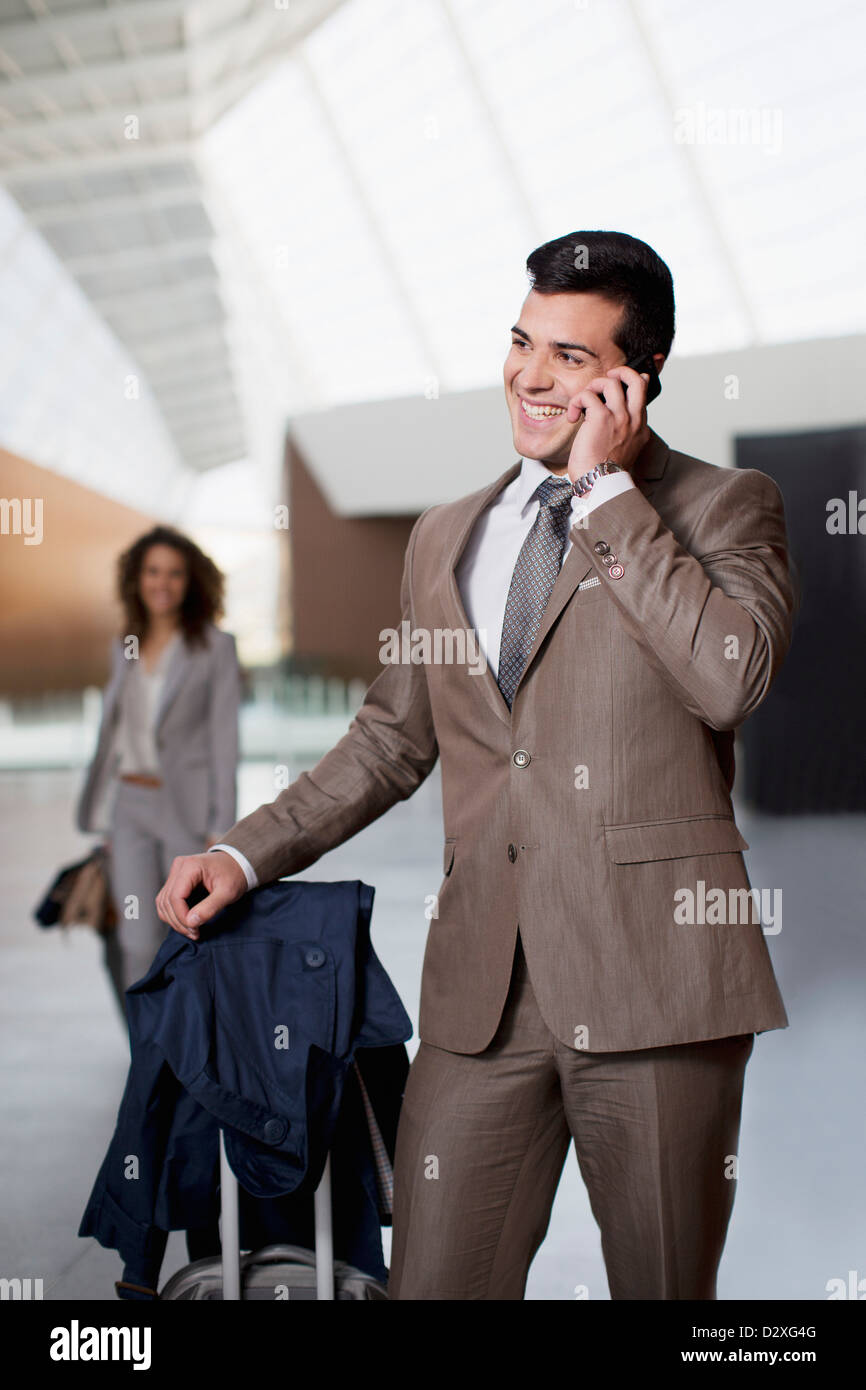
672 839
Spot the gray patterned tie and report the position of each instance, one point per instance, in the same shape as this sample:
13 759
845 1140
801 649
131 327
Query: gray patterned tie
532 581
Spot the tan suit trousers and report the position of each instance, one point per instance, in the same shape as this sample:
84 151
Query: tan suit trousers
483 1138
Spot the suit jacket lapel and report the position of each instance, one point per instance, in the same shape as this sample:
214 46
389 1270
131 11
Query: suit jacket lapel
650 464
452 600
119 672
648 470
178 666
649 467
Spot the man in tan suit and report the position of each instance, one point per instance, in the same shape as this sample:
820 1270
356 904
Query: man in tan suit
595 968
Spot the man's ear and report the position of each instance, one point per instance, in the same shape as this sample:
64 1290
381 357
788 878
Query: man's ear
659 359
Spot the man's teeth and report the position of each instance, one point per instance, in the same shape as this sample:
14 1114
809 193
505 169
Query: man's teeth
538 412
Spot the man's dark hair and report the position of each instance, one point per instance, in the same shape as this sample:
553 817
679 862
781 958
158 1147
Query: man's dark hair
623 270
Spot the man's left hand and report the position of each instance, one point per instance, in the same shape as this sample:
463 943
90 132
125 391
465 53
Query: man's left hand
614 428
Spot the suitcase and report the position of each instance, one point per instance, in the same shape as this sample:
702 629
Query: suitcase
276 1272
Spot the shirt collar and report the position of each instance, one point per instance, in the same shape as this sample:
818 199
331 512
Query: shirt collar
532 472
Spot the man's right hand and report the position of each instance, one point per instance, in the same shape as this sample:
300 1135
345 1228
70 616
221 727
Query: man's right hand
218 872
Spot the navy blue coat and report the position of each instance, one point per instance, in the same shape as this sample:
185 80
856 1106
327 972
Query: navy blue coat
254 1029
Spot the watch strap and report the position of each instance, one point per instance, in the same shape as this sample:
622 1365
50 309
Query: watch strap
584 484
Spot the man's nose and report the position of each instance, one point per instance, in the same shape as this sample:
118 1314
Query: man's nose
533 376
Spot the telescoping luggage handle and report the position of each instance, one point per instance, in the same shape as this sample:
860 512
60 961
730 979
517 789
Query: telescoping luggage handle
231 1243
230 1234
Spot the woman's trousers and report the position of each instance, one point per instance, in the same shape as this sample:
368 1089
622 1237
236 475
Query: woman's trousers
146 835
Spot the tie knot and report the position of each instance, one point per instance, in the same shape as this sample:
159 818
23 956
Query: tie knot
553 492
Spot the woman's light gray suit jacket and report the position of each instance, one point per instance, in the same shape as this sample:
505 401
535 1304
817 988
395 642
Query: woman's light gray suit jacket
196 736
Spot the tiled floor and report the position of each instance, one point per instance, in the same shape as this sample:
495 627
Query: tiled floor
799 1214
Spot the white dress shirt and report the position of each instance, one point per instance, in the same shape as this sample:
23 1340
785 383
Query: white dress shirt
485 568
135 733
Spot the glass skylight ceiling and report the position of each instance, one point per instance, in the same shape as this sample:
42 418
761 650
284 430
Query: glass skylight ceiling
371 202
70 398
390 178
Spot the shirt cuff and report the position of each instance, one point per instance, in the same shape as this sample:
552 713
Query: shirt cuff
610 485
249 871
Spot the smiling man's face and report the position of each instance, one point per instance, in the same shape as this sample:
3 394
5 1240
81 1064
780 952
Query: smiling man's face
559 343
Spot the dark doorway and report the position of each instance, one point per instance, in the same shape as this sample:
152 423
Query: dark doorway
804 747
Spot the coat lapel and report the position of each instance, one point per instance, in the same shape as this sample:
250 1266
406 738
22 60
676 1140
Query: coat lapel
115 686
648 470
452 601
176 672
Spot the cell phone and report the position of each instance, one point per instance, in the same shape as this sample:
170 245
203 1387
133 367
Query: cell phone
644 363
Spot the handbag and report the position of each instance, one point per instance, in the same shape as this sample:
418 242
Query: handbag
80 895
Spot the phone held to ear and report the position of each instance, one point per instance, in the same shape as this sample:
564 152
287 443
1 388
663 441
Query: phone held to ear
644 363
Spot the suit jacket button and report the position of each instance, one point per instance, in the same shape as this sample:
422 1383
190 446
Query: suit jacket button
610 559
521 758
616 572
274 1131
512 853
315 957
601 547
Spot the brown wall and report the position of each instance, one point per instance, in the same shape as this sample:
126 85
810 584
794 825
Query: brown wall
345 578
58 611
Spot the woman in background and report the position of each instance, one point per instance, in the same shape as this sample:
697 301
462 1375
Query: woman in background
168 741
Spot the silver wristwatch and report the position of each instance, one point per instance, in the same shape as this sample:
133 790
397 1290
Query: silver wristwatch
584 484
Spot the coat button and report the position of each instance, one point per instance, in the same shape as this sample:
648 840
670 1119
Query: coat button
512 853
521 758
616 572
274 1131
315 957
601 547
610 559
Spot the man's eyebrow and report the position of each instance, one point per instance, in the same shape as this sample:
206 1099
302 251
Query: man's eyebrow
572 347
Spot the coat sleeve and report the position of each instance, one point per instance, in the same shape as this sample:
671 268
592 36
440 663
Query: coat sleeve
388 751
225 701
715 620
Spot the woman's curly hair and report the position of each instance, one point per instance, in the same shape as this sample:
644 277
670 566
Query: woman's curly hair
203 601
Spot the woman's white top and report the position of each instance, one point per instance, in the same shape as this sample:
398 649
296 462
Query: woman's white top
135 731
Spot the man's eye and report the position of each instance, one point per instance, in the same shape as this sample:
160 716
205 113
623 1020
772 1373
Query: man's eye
576 360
